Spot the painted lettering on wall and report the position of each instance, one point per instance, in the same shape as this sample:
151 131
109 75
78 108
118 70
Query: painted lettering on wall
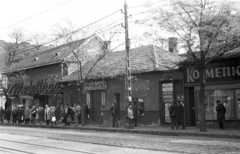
40 87
213 73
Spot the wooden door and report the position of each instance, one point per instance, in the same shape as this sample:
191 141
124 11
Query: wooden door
96 106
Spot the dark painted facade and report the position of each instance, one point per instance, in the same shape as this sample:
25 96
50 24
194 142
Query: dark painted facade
147 91
38 86
222 83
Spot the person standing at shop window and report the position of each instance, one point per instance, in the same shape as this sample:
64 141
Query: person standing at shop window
14 114
114 111
76 114
130 114
7 115
173 109
47 114
86 113
26 115
34 115
221 110
180 116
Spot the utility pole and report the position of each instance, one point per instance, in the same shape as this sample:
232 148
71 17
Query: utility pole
128 84
128 67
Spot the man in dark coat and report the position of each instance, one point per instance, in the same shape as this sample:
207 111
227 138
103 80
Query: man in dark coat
114 111
7 115
14 114
19 115
173 109
180 116
67 115
221 110
1 114
86 113
135 113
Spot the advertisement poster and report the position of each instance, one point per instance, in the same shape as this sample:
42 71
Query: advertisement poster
167 93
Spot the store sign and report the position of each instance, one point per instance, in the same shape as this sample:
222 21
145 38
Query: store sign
95 85
103 99
218 72
40 87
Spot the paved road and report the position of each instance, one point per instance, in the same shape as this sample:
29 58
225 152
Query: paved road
129 143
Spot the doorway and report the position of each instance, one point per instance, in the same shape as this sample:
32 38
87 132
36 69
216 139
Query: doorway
192 108
96 106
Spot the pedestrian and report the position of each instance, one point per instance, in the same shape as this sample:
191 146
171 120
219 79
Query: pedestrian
40 113
27 115
58 114
180 116
46 114
52 115
14 115
135 113
67 115
7 115
221 110
34 115
114 111
19 115
86 113
76 114
130 114
1 114
173 109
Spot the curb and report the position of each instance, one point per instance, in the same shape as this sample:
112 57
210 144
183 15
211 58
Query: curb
134 131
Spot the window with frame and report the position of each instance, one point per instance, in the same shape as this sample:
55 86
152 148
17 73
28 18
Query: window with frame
211 97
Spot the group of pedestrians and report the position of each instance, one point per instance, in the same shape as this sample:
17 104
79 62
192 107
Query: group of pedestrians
132 114
73 114
176 112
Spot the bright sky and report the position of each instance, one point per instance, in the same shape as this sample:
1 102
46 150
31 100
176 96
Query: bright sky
79 12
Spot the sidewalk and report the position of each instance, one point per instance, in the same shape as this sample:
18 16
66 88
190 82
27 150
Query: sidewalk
150 130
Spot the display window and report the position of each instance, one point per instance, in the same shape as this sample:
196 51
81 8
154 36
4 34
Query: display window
226 96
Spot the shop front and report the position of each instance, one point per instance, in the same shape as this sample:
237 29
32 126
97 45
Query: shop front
38 86
222 83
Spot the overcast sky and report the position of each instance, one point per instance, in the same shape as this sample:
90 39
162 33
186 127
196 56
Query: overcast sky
79 12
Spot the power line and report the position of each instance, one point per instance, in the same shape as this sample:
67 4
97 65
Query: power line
70 32
143 4
34 15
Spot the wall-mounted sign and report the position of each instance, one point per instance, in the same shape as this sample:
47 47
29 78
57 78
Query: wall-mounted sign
167 115
215 72
103 99
95 85
88 99
42 86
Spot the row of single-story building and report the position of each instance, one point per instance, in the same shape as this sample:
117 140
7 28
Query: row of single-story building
50 77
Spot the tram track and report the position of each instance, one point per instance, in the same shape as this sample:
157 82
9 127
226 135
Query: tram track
38 145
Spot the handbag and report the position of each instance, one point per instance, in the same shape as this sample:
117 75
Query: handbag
53 119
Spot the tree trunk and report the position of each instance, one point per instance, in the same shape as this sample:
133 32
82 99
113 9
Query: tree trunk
202 100
81 98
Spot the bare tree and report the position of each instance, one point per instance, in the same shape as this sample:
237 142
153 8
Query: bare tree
9 54
206 30
37 39
76 42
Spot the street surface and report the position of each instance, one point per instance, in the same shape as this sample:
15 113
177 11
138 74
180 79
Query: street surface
20 140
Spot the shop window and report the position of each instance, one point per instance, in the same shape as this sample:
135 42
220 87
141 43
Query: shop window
238 103
211 97
140 106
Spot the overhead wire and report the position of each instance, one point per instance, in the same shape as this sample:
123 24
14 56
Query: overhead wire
70 32
35 15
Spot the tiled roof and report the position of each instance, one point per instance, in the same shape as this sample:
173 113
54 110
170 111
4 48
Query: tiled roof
45 57
143 59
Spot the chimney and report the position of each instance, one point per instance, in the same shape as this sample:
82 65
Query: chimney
172 46
107 45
